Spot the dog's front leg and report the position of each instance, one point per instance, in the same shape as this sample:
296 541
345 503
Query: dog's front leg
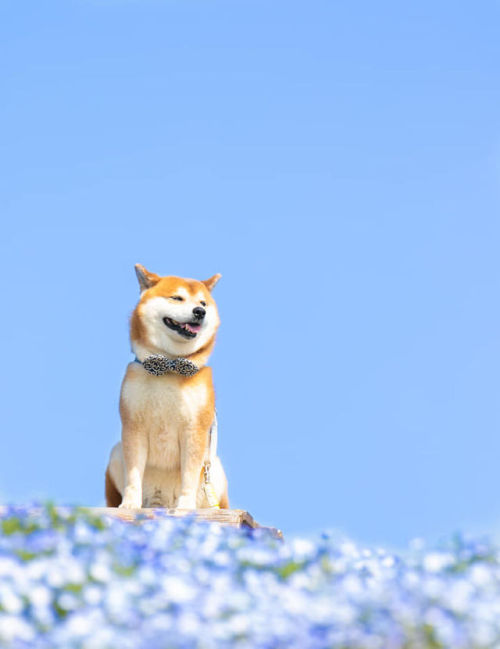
192 455
135 453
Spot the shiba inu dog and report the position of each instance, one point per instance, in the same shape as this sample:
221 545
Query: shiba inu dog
167 401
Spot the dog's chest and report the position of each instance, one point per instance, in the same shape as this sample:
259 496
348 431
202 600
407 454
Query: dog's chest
167 409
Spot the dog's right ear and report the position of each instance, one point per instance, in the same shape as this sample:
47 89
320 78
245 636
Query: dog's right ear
146 279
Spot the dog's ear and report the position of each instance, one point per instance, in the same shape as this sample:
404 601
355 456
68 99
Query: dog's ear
146 279
212 281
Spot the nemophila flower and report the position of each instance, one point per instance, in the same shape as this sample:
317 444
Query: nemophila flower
72 581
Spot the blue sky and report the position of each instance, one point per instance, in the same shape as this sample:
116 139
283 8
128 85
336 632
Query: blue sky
339 164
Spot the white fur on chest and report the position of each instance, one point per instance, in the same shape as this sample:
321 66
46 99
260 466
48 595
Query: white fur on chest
167 409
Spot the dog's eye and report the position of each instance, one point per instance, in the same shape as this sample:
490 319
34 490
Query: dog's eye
203 303
177 297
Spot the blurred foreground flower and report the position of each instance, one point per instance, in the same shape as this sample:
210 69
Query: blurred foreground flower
69 580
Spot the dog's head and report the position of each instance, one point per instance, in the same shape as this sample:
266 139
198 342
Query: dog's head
174 316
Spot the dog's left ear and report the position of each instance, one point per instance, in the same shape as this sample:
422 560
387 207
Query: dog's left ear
212 281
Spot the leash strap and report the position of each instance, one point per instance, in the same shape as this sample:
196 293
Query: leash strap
210 453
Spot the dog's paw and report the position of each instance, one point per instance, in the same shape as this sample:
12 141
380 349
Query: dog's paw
186 502
130 504
131 500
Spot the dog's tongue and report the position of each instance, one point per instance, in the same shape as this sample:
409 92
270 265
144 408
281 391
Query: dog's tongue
193 328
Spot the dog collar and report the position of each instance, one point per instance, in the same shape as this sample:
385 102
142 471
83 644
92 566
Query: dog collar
158 365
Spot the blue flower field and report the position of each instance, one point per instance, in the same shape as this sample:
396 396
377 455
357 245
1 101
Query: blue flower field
69 580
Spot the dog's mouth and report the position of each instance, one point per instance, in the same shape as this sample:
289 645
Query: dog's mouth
186 329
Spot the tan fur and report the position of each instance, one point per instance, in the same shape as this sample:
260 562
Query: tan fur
113 496
166 419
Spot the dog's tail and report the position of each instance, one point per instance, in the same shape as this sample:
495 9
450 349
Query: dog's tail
113 496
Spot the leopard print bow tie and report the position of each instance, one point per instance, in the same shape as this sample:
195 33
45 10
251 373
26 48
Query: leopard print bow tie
159 365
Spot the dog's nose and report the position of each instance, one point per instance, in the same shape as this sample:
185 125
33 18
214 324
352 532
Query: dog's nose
199 312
